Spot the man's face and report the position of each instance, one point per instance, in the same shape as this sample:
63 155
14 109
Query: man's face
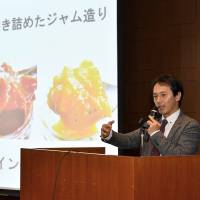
164 99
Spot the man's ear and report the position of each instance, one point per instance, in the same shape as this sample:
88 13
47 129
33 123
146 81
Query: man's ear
178 96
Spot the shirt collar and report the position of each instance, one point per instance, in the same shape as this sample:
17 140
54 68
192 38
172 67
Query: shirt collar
173 117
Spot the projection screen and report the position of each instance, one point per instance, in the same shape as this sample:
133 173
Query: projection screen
58 82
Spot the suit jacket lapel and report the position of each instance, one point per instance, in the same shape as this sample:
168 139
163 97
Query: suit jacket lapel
176 126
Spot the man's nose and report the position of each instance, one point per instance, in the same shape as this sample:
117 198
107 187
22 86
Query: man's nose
158 100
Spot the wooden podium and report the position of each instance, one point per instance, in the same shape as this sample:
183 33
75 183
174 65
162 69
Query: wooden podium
60 175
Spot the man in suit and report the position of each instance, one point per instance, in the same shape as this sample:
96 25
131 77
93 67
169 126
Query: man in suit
181 134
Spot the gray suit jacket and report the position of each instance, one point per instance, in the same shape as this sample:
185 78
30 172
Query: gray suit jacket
183 139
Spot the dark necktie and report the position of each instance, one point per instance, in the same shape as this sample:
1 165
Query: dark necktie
155 151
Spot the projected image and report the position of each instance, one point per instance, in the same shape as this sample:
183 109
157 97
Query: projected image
58 84
78 98
17 89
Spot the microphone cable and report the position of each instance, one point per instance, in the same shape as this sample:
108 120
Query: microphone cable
58 173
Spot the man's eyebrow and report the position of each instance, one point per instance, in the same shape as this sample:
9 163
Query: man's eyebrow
156 93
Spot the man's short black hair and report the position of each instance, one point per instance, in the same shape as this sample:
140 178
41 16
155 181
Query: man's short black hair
175 85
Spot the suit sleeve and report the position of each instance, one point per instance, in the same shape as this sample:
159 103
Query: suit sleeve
126 141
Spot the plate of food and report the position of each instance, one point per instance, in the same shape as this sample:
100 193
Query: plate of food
76 102
17 94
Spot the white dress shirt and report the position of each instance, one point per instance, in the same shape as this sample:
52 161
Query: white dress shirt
171 120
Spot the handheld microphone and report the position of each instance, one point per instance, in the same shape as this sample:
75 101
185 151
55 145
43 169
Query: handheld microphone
154 113
143 124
